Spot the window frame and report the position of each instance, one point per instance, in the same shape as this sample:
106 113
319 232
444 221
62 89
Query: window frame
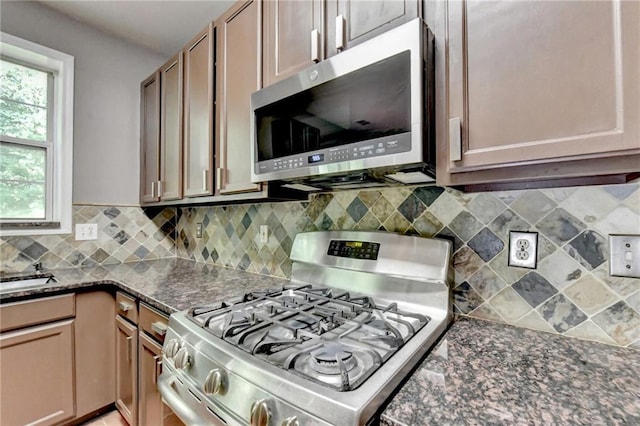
59 146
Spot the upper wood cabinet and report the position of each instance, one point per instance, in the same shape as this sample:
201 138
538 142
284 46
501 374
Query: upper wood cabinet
293 37
540 91
239 73
170 185
161 133
352 22
198 114
149 138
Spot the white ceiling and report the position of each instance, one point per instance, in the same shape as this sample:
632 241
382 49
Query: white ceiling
163 26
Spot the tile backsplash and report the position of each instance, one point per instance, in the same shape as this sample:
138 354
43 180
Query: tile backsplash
125 234
570 292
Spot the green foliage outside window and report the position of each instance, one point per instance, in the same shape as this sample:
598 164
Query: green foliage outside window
23 117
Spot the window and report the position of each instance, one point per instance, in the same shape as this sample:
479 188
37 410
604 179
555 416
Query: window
36 138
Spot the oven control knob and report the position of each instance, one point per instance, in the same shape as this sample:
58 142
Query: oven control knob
260 413
216 382
171 348
182 358
291 421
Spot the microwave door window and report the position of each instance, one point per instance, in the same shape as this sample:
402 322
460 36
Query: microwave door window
365 104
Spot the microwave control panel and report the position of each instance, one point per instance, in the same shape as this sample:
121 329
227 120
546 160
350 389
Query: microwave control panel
354 151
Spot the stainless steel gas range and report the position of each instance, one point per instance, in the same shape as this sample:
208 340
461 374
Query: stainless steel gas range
329 348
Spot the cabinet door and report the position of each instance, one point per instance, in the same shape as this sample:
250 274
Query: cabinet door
149 138
152 410
536 82
351 22
171 129
198 115
239 75
36 374
94 351
293 37
126 370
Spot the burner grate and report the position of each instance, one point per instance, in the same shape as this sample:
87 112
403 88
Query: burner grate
332 337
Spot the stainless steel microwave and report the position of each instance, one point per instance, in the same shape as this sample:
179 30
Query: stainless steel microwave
360 118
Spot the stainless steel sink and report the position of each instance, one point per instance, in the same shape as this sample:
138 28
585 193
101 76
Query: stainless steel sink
28 282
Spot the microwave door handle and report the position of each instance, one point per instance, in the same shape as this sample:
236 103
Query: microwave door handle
315 45
339 33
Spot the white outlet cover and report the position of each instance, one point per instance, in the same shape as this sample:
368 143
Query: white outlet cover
518 239
264 234
86 231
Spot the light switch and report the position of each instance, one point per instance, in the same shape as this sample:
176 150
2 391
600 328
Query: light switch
624 255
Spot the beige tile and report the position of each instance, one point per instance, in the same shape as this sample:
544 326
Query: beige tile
510 305
590 294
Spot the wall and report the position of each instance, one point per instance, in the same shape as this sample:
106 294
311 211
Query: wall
569 293
108 72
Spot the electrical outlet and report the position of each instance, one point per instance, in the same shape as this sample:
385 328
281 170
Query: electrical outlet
523 249
624 255
264 234
198 230
86 231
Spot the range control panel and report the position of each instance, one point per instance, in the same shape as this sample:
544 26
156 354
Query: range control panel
354 249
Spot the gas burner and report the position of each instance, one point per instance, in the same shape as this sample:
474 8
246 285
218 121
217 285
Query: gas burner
332 358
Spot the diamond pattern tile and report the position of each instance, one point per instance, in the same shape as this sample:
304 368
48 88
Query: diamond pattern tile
534 288
411 208
621 322
486 244
560 226
465 298
486 207
428 194
571 283
532 205
465 225
357 209
561 313
589 248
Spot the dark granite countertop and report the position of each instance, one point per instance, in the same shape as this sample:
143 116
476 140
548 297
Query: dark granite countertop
480 373
484 373
167 284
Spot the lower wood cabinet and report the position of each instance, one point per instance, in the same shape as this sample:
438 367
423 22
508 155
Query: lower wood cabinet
127 370
94 352
65 358
151 409
37 375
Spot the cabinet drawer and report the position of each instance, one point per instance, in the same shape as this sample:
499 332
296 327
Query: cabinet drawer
36 311
126 307
153 322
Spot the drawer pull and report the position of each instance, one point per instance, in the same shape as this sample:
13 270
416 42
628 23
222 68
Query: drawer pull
159 328
158 368
124 306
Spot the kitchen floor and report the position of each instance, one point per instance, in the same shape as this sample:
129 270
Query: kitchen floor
112 418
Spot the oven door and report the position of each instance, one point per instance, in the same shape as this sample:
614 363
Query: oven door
188 405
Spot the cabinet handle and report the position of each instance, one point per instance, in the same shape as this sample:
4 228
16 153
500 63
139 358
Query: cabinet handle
315 45
455 139
339 33
158 368
159 188
219 178
153 190
204 179
124 306
159 328
129 349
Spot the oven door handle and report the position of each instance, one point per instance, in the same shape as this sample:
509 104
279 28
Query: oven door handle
177 405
